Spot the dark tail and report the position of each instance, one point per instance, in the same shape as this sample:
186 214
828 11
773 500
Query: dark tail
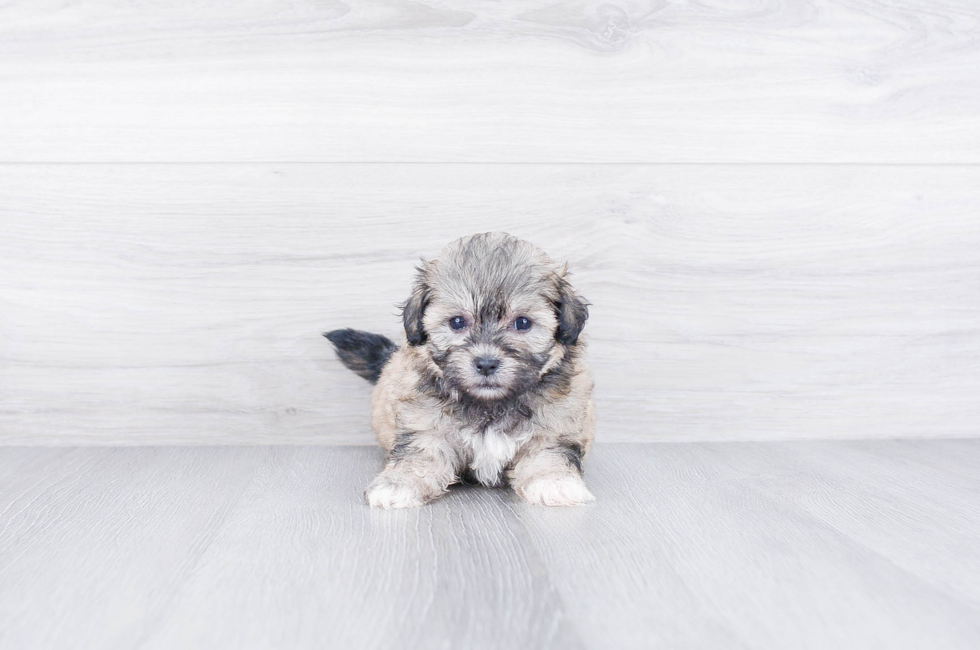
363 352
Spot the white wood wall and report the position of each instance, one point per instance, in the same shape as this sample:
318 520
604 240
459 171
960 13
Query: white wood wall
774 207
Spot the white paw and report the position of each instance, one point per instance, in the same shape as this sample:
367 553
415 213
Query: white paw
383 493
557 491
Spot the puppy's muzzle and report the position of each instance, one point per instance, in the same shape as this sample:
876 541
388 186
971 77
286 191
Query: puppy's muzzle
486 366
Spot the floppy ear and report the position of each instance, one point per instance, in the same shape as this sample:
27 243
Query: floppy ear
572 312
414 309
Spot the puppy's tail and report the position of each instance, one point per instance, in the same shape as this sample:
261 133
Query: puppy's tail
363 352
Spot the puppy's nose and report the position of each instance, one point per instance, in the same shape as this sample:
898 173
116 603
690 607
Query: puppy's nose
487 365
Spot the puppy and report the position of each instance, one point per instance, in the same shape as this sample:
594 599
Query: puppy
488 385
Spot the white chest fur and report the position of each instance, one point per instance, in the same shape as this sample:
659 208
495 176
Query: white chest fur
492 451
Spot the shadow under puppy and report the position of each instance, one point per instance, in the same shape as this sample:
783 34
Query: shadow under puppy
489 383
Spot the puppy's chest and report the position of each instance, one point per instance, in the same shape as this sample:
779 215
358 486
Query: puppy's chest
491 450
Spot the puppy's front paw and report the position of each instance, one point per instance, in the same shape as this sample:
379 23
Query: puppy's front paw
560 490
385 493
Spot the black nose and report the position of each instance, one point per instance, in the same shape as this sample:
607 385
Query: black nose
487 366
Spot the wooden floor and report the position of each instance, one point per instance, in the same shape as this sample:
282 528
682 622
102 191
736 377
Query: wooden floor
772 207
704 545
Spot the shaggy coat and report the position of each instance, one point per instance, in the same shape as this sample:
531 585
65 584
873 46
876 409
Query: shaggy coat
489 384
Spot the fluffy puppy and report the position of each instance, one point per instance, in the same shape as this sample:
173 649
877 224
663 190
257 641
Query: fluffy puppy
488 385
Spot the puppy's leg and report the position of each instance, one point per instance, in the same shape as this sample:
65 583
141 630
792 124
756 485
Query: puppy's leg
417 472
550 474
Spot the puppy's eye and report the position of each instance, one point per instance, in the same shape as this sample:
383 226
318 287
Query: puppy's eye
522 324
457 323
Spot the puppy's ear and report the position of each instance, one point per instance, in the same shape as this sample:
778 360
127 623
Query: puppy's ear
572 311
414 308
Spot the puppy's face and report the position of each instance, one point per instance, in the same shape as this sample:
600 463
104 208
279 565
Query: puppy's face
494 314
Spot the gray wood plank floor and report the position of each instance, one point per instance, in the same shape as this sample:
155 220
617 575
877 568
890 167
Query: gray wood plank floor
826 544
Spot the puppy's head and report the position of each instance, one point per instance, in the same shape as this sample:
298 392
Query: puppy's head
495 314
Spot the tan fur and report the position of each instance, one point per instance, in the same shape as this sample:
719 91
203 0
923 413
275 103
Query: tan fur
427 409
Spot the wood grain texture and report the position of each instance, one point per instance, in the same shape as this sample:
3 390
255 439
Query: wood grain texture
184 304
702 545
119 533
759 545
488 81
456 575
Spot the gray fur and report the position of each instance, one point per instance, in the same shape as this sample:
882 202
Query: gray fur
363 352
529 423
